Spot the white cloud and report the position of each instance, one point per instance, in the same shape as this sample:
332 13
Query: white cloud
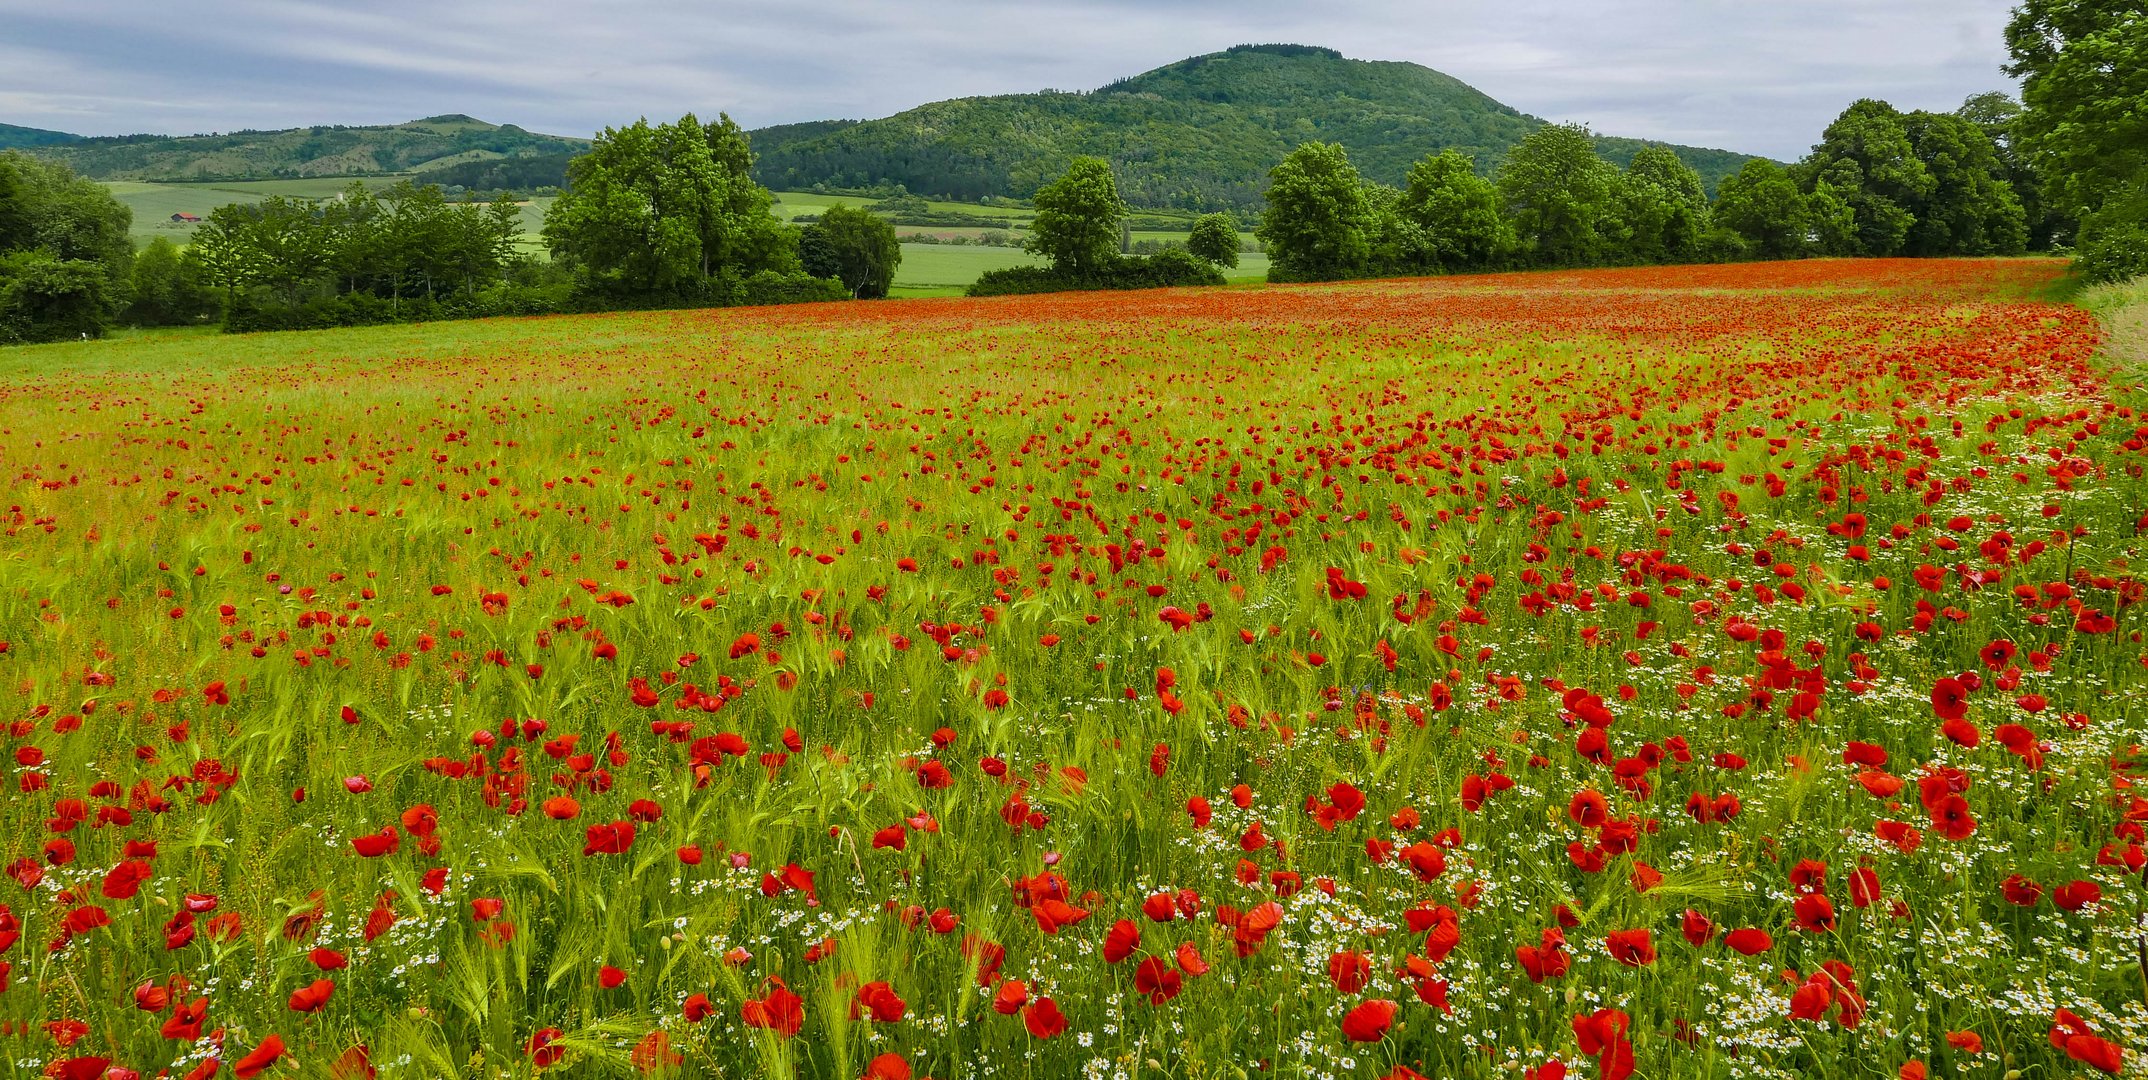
1763 78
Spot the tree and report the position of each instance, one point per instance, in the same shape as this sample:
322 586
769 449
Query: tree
668 212
1458 212
1077 223
1886 179
1663 208
2083 66
1998 116
170 288
15 229
1763 206
1317 224
64 252
1971 209
1214 238
47 299
854 247
1558 193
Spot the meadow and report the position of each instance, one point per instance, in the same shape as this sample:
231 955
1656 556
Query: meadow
1701 672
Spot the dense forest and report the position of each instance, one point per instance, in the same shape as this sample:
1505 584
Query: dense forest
1198 134
433 142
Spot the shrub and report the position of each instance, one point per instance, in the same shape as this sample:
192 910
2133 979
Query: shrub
1163 270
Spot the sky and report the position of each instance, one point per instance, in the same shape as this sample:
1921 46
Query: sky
1762 78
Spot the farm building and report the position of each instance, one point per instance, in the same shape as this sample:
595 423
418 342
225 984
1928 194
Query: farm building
183 218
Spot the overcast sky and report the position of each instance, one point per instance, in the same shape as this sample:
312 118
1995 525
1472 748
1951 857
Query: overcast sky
1758 77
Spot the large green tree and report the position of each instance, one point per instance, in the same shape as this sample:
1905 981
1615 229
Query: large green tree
1971 208
170 288
1998 116
65 257
1663 208
1558 193
2083 66
854 247
1318 224
1762 205
1214 238
1866 159
1078 218
1458 212
668 211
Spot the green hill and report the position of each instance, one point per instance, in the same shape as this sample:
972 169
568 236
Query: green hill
434 142
1201 133
13 138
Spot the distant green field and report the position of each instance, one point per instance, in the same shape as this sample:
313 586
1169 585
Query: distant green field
154 204
790 204
946 269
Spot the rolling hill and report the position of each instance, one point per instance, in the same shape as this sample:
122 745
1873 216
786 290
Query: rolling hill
15 138
1198 134
434 142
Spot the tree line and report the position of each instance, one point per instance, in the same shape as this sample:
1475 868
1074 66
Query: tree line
1880 183
659 215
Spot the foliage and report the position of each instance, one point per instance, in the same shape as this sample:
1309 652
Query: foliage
854 247
170 288
65 258
1199 134
665 212
1662 209
2114 240
309 151
1458 213
1214 238
1763 206
1972 208
48 299
13 137
1559 195
525 174
1165 269
1318 224
1865 160
1078 220
2084 71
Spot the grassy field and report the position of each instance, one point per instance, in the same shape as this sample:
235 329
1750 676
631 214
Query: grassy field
1723 672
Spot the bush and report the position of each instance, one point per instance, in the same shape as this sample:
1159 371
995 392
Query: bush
1163 270
2113 243
48 299
770 287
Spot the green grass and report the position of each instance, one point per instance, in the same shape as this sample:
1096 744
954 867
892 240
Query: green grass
946 269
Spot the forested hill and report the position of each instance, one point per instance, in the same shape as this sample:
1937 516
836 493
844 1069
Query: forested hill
1201 133
433 142
12 137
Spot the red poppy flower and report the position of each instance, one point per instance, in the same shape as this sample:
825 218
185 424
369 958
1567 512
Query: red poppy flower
1631 947
1368 1021
261 1058
1349 971
314 997
1120 943
1043 1018
780 1011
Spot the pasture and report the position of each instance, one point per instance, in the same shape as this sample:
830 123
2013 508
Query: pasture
1704 672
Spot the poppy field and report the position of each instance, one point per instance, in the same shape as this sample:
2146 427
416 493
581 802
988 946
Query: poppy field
1700 672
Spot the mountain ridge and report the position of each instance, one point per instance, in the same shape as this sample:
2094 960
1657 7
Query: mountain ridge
13 137
1199 133
318 150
